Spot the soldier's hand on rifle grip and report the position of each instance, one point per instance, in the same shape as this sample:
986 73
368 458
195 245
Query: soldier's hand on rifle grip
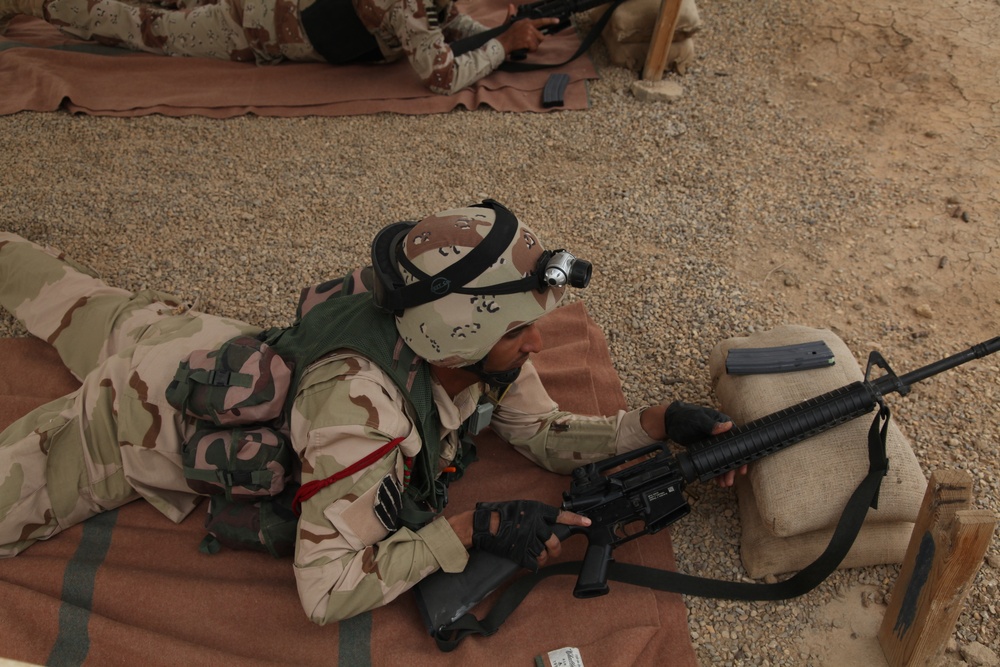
523 34
520 530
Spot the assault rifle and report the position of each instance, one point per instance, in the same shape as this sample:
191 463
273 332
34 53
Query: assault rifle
648 494
542 9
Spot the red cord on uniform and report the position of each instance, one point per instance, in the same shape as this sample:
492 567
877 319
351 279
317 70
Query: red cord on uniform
310 489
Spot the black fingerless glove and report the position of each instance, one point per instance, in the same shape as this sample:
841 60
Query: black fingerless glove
687 424
525 525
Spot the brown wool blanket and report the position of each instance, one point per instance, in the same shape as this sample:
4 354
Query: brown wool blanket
130 587
42 69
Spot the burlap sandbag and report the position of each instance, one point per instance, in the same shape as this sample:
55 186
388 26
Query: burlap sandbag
803 489
633 21
763 553
633 56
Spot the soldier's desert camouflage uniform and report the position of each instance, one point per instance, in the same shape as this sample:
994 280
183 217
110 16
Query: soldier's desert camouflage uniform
117 438
270 30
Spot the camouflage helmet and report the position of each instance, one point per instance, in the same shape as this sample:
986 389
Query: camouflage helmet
460 279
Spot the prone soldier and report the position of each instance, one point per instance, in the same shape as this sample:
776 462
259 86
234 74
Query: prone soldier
383 389
268 31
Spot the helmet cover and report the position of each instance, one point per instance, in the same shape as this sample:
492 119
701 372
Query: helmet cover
460 329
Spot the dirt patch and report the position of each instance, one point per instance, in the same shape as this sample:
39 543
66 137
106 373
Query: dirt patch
845 630
913 90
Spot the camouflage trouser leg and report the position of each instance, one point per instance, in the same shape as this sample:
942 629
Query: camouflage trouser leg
65 305
43 487
60 464
211 31
94 449
242 30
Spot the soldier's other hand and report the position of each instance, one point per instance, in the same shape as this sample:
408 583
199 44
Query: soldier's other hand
687 424
727 479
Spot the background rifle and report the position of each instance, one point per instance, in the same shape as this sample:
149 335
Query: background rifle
649 493
542 9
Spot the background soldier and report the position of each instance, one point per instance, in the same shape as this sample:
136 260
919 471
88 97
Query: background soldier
267 31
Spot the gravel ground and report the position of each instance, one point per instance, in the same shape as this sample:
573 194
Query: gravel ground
688 211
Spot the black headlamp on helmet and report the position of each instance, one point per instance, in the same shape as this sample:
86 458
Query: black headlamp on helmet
391 293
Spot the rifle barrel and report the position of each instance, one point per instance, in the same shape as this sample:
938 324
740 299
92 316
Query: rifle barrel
975 352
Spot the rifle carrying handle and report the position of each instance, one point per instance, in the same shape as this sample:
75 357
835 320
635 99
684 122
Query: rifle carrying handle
593 579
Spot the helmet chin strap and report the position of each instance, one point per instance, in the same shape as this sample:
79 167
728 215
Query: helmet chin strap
495 379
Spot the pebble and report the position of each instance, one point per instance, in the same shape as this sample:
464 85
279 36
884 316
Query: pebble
978 655
657 91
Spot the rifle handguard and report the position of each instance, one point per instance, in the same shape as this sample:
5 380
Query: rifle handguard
767 435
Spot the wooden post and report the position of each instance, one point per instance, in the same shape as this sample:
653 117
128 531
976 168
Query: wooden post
663 35
945 552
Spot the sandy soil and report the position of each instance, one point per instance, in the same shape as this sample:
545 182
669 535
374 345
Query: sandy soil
913 90
834 164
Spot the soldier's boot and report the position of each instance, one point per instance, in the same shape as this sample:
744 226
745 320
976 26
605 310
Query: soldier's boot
11 8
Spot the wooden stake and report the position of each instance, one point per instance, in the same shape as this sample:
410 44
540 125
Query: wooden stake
663 35
945 552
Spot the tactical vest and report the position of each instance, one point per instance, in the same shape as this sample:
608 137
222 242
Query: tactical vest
353 323
262 519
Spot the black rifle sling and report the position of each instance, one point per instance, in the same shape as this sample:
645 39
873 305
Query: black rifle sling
595 31
851 520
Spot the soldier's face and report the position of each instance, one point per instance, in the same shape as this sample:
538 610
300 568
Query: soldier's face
513 349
